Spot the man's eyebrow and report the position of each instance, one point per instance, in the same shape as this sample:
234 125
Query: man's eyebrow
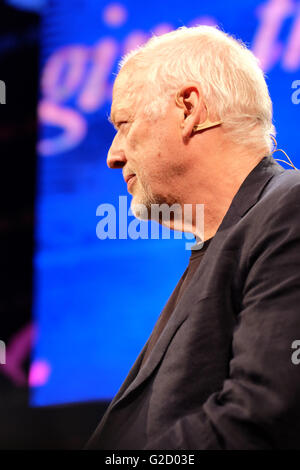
118 111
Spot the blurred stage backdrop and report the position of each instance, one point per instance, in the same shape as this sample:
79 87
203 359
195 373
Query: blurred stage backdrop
96 301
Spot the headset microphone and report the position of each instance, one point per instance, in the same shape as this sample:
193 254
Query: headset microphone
280 150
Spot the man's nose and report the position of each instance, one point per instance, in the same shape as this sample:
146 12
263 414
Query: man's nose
115 158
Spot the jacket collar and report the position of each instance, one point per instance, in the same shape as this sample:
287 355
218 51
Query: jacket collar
251 190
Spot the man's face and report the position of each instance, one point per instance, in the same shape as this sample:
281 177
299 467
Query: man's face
146 148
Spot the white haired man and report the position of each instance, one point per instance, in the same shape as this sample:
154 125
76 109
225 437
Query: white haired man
193 118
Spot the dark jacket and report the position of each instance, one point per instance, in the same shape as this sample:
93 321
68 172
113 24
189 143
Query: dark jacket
221 375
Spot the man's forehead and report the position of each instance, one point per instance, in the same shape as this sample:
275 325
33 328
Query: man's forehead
121 103
123 84
126 92
120 95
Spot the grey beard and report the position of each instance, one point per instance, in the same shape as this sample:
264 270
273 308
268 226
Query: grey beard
162 209
142 209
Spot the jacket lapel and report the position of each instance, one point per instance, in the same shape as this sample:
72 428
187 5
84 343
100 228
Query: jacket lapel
246 197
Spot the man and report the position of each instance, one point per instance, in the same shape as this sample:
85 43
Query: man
193 118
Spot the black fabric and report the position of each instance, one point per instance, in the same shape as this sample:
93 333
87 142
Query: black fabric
221 375
194 261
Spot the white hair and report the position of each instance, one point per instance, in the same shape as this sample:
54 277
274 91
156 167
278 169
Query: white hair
231 80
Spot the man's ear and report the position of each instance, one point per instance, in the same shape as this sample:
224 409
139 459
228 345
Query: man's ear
189 98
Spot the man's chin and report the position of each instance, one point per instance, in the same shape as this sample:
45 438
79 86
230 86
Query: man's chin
140 210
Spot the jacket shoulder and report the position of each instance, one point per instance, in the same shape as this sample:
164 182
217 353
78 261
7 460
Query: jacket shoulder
282 191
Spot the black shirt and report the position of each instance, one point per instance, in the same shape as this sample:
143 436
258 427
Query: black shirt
195 259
